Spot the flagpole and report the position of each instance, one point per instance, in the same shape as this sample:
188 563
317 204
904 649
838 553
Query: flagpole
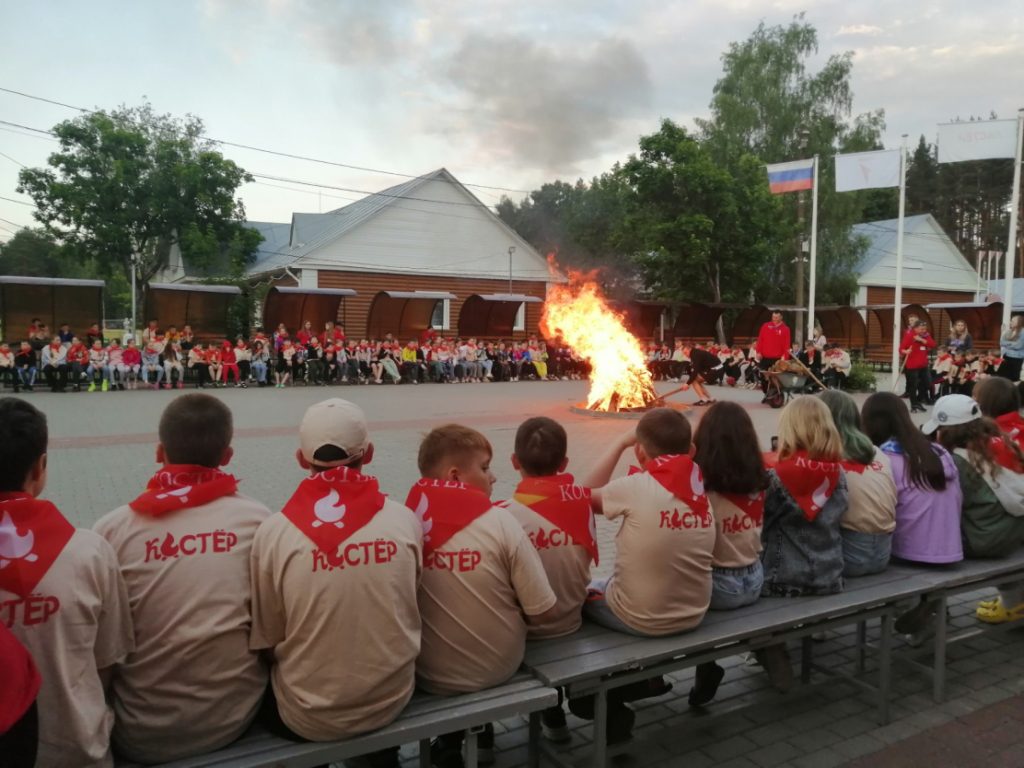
814 253
1011 243
897 309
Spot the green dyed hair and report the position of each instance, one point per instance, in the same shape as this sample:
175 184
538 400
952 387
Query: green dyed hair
856 445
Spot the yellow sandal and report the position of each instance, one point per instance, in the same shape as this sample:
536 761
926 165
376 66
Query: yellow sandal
998 613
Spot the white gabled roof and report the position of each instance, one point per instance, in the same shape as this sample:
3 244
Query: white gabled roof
430 225
930 259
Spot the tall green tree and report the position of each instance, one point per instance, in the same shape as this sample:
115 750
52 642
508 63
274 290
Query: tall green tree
132 183
769 104
698 231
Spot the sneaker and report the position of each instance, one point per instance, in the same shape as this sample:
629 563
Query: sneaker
705 684
999 613
105 385
181 385
776 664
92 387
553 725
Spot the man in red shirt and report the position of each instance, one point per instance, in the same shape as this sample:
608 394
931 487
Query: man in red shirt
772 345
915 345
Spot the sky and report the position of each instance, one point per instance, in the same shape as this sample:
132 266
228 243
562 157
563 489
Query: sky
507 94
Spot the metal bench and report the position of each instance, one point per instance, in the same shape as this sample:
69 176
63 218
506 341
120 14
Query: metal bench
596 660
426 716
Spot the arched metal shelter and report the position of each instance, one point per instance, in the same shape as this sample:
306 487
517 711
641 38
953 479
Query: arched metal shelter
204 307
294 306
403 313
55 301
492 314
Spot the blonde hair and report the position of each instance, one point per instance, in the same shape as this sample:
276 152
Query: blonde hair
806 425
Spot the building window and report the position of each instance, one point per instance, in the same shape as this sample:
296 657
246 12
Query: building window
520 323
441 319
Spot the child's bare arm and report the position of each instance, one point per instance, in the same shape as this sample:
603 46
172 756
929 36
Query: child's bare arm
601 472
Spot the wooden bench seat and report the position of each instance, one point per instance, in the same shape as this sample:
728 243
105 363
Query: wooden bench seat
596 660
425 717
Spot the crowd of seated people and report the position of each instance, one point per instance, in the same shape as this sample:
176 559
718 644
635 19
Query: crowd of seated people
112 638
168 358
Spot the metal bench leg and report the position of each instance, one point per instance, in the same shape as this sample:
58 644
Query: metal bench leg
884 668
601 729
862 639
939 660
806 658
424 753
472 757
533 746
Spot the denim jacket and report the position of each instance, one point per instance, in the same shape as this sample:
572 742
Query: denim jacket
801 557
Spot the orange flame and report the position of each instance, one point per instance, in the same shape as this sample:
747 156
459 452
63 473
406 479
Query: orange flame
578 313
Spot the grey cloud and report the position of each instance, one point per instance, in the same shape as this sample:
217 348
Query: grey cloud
354 34
543 105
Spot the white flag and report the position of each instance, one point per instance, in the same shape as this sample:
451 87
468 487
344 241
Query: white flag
868 170
980 140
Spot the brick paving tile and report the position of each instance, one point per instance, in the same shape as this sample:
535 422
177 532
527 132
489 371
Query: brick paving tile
823 758
986 737
780 753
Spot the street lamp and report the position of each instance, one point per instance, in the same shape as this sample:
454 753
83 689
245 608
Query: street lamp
511 250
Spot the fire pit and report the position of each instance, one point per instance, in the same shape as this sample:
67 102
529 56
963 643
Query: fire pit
620 383
628 413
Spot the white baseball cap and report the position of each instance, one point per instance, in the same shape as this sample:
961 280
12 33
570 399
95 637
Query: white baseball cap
951 410
334 422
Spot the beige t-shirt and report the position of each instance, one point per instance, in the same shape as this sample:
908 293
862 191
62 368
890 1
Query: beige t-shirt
567 565
192 685
661 582
872 507
74 623
738 535
345 639
474 593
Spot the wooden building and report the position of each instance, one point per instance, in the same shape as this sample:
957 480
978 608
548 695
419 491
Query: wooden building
424 253
934 272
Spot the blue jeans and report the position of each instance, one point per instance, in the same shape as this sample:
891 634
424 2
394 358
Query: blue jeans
865 553
27 376
598 611
733 588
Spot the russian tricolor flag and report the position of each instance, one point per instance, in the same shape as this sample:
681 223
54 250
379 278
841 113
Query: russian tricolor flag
791 177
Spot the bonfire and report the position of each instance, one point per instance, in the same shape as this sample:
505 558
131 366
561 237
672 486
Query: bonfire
578 313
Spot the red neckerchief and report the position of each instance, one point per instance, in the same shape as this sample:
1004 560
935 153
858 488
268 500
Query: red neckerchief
444 508
563 504
810 482
331 506
680 476
33 533
1013 428
751 505
180 486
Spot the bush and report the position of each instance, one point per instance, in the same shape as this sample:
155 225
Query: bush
861 378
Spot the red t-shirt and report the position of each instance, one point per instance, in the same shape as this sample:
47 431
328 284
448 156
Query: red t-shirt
773 340
918 357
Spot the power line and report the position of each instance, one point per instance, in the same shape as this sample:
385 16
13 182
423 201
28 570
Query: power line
16 162
302 182
19 202
263 150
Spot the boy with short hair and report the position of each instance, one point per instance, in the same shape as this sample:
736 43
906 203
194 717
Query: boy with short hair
662 578
192 685
482 578
25 367
334 580
62 596
556 514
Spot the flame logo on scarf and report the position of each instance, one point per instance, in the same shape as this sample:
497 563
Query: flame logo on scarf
13 546
421 515
329 511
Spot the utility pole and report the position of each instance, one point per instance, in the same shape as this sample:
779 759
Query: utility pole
511 250
801 197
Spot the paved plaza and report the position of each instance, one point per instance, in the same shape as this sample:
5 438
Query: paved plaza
102 452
